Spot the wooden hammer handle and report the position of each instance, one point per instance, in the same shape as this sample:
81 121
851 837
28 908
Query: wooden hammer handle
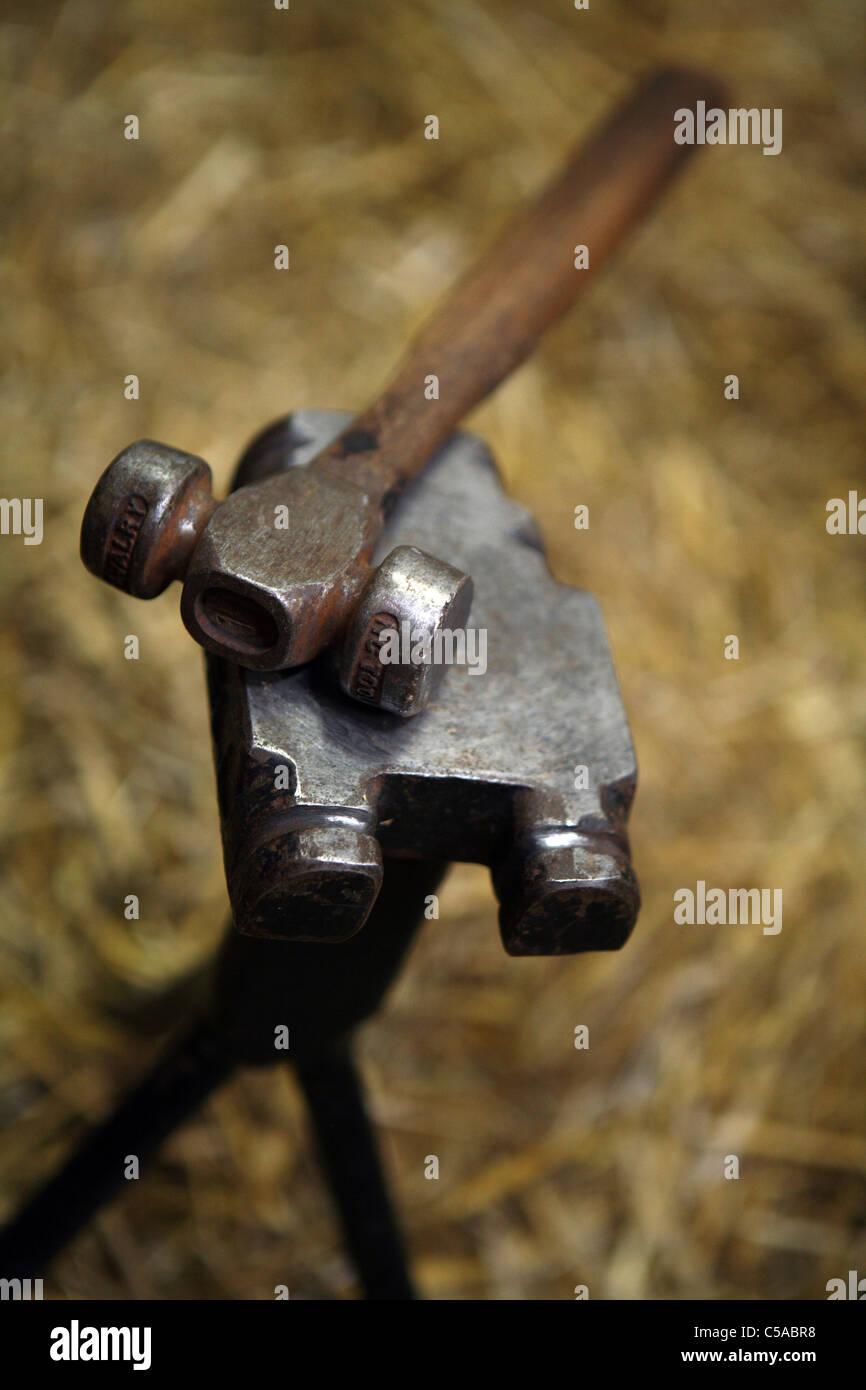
497 313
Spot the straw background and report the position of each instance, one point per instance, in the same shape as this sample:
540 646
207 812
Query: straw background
155 257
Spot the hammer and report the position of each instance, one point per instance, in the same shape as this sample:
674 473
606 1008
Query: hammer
267 596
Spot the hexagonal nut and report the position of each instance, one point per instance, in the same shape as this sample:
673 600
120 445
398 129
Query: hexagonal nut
144 517
411 610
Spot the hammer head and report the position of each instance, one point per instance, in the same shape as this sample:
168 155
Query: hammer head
144 517
275 574
522 762
279 569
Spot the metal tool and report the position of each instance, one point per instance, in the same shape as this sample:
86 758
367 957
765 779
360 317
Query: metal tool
527 767
270 597
374 808
332 813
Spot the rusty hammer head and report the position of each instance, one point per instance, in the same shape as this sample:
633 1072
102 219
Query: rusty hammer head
274 574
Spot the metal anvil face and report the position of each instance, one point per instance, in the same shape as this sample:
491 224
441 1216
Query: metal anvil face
527 767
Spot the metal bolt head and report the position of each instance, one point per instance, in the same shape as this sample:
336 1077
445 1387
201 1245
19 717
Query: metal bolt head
314 882
144 517
562 892
411 596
